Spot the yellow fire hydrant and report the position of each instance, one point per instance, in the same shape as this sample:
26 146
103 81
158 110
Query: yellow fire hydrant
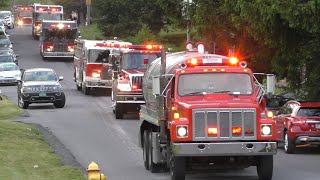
94 172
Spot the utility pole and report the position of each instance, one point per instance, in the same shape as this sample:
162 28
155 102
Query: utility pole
88 3
188 20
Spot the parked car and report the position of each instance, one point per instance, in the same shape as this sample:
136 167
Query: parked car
9 73
40 85
7 51
5 58
298 124
8 18
5 42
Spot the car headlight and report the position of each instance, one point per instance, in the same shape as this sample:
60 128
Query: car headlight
17 75
57 88
182 131
26 89
124 87
266 129
10 46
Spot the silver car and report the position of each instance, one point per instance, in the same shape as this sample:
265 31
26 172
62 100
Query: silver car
9 72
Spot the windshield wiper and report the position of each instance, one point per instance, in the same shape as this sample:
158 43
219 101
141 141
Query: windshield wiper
195 93
221 92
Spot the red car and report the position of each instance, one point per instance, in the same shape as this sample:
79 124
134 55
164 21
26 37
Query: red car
298 124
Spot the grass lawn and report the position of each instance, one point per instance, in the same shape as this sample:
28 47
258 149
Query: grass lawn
24 154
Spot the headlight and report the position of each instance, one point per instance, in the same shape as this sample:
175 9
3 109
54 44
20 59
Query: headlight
182 131
95 75
124 87
10 46
266 129
20 23
57 88
17 75
26 89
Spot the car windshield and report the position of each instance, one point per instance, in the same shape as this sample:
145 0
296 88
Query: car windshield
138 60
98 55
6 59
4 14
58 35
39 76
5 41
308 111
46 16
8 67
215 83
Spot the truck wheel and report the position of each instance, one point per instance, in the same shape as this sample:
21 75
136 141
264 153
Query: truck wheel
289 146
60 103
118 111
152 166
85 90
265 167
178 168
145 150
22 104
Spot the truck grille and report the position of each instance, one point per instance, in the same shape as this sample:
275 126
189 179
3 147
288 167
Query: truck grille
224 120
137 80
59 47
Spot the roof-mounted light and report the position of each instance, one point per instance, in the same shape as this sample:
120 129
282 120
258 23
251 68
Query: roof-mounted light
189 46
201 47
233 60
145 47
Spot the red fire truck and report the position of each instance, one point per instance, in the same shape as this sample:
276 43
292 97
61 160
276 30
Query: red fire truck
92 63
44 12
128 70
57 39
23 15
205 111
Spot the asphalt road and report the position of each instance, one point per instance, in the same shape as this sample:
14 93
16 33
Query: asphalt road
87 127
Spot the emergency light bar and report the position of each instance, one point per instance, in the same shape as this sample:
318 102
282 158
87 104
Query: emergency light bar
213 61
200 47
24 9
145 47
113 45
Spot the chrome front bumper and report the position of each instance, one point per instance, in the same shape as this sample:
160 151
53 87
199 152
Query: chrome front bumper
130 99
98 83
58 54
225 149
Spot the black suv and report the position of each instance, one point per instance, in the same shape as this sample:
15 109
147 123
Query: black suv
40 85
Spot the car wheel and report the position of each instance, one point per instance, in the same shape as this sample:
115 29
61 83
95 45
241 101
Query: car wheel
119 111
289 146
145 150
60 103
177 168
265 167
22 104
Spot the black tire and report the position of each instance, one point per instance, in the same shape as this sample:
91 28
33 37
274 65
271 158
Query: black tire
154 168
85 90
60 103
178 168
265 167
145 150
22 104
118 111
289 146
78 87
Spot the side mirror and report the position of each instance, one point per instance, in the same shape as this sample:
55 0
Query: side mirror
156 86
17 55
270 83
60 78
12 41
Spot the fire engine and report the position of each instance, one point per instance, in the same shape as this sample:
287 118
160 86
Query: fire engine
128 73
92 63
44 12
57 39
205 111
23 15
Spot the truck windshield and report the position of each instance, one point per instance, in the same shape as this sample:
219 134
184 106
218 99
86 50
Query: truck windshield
46 16
214 83
25 14
98 56
59 34
137 60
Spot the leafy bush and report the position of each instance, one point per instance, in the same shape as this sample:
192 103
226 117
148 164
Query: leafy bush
91 32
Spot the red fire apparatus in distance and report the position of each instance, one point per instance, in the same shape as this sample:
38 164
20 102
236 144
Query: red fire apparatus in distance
92 63
57 39
129 69
23 14
205 111
44 12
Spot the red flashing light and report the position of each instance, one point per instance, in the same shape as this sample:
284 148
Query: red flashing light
134 86
112 45
233 60
236 130
212 131
146 47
